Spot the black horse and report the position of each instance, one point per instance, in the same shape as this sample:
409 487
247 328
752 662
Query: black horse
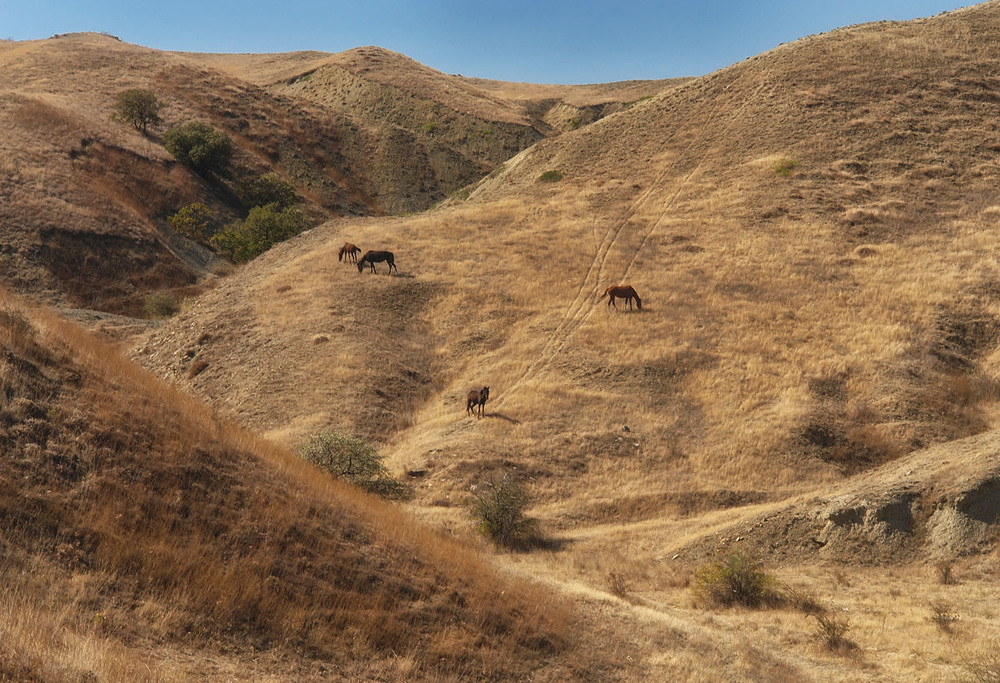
372 257
477 398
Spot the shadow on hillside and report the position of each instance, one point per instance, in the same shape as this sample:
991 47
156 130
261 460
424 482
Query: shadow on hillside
501 416
538 541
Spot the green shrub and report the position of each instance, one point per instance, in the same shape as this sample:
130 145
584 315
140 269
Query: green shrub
159 305
137 106
353 459
194 221
551 177
268 189
200 146
736 579
265 226
784 167
499 507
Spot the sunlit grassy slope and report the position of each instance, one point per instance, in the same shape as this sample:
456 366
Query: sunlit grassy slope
811 232
146 537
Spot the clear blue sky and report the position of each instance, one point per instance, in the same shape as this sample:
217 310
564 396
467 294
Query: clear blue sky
539 41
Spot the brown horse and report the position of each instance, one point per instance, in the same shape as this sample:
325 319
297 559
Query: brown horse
350 252
477 398
372 257
622 292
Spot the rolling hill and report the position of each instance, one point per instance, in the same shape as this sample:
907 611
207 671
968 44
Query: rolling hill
812 378
812 232
85 199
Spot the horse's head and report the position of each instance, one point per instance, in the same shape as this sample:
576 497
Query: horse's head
485 393
361 265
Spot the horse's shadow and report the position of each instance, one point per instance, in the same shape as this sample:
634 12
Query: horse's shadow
501 416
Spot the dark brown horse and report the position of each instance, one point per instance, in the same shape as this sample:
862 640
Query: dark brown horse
477 398
622 292
350 252
372 257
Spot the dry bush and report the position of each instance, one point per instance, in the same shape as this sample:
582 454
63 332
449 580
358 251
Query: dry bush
984 667
197 367
159 305
831 632
618 585
736 579
352 459
942 615
945 572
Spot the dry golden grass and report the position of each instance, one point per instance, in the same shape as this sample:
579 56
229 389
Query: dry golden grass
815 252
813 234
137 521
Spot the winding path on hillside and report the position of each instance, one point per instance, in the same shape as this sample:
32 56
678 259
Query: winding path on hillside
584 302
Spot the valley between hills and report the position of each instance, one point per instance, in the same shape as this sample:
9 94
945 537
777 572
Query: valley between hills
812 380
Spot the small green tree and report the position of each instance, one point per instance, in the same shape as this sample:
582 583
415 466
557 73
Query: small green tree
200 146
247 239
268 189
498 507
353 459
137 106
194 221
736 579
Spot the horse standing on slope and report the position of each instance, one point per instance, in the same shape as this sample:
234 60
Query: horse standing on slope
622 292
372 257
477 398
350 252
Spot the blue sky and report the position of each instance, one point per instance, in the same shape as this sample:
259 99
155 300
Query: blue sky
541 41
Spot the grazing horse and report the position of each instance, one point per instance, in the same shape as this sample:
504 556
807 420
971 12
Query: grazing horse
372 257
622 292
350 252
477 397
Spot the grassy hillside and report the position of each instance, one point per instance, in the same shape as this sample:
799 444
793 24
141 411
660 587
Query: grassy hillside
817 284
811 232
86 199
146 537
438 132
812 379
